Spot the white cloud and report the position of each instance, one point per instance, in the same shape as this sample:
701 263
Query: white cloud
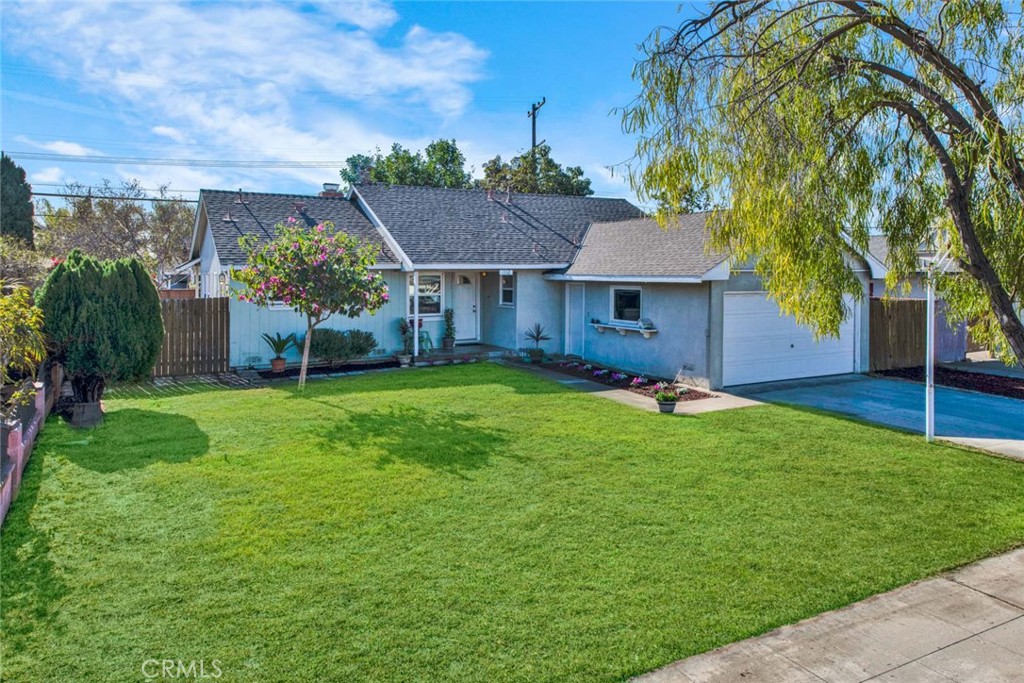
253 80
366 14
59 146
52 174
170 132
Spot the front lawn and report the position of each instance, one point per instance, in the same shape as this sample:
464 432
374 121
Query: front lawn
466 523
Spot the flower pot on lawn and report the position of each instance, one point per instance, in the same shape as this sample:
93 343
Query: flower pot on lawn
404 360
277 364
666 399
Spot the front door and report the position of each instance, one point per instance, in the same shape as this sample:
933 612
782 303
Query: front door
464 304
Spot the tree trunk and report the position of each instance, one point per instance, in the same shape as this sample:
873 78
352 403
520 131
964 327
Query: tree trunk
980 268
1002 307
305 354
88 389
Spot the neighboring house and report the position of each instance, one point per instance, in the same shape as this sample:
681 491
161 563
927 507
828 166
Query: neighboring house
607 284
950 339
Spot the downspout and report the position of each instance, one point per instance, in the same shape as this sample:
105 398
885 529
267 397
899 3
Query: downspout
415 314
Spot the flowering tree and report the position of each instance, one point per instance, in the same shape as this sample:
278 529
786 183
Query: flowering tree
319 272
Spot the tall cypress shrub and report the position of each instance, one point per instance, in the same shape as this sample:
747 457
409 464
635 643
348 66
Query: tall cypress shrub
102 322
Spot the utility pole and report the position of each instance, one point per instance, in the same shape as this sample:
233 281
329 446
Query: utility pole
534 109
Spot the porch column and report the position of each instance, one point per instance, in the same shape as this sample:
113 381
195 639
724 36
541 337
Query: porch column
415 314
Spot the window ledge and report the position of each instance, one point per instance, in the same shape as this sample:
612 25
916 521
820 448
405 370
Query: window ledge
622 329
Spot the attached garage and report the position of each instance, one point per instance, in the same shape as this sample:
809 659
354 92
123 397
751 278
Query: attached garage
759 344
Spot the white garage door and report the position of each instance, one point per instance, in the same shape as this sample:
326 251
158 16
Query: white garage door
760 345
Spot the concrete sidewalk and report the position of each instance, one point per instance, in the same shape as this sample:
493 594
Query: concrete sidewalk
965 626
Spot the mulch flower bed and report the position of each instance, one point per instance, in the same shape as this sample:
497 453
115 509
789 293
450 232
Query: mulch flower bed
638 384
1011 387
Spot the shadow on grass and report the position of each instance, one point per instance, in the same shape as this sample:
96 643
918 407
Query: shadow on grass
131 439
441 377
32 588
447 442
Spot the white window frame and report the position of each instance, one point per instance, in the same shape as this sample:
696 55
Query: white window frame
502 289
408 303
611 304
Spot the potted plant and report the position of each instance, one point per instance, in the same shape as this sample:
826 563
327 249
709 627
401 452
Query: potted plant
448 341
405 330
666 399
278 345
536 335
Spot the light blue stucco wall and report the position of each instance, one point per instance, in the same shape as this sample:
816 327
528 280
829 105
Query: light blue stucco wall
679 349
540 301
249 322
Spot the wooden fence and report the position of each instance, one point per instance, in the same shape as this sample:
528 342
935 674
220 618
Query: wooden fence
196 339
898 333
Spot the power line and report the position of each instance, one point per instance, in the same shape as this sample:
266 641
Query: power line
188 163
97 187
103 196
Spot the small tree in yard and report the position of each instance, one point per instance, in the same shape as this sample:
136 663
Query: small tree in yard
319 272
102 322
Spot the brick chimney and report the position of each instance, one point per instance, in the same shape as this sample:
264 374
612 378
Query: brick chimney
330 190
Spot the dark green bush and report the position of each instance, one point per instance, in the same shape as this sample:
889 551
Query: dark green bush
334 347
102 321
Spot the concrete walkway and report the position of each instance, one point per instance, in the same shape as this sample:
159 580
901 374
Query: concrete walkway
966 626
721 400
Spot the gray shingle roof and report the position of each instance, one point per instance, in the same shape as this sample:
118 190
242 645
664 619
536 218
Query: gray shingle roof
878 246
642 248
438 225
259 212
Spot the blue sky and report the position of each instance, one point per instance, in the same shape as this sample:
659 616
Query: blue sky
312 82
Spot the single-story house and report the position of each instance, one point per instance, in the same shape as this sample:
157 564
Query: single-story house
606 282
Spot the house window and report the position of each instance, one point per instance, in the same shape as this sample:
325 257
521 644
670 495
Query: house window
431 293
508 290
626 304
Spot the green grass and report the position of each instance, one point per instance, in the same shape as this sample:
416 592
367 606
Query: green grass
468 523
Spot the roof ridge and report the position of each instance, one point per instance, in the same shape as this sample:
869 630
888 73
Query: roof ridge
497 192
340 195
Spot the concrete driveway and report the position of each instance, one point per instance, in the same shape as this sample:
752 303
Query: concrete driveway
984 421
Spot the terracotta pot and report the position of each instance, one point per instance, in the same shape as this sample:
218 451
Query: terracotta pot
277 364
667 406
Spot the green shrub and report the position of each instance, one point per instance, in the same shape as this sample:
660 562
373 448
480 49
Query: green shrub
334 347
102 321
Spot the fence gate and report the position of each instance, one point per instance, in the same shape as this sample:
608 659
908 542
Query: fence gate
195 337
898 333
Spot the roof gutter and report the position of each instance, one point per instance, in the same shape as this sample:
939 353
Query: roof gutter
668 279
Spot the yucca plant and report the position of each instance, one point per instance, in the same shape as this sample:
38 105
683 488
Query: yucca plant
279 344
